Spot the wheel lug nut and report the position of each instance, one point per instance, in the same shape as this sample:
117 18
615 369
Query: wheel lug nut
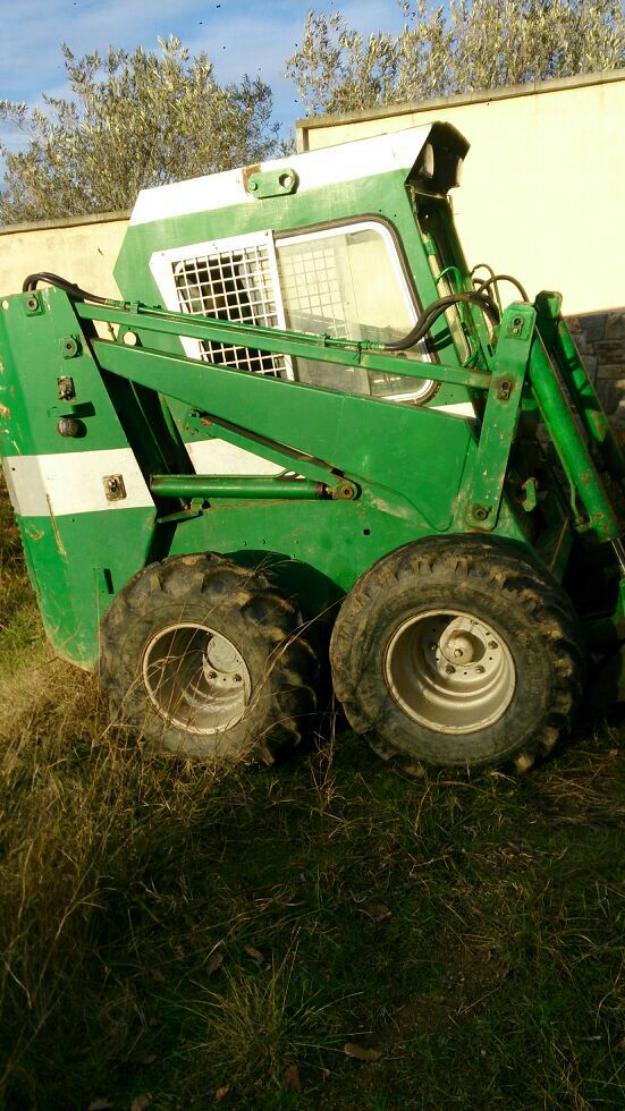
493 644
450 670
480 670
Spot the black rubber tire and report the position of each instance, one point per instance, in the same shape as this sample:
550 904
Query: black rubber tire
239 603
495 582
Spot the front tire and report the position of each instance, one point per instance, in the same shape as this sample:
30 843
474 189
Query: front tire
207 660
458 652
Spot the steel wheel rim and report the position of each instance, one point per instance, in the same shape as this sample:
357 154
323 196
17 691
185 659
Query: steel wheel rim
196 678
450 671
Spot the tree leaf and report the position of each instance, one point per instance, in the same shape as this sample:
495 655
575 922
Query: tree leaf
134 119
142 1057
255 954
452 48
377 912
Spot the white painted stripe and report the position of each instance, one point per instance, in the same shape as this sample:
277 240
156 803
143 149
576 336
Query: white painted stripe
315 169
73 482
458 409
218 457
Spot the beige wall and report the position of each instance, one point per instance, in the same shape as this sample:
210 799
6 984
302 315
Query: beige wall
543 188
84 252
542 196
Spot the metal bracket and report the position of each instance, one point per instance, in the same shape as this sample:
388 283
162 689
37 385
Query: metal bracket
272 183
516 324
504 387
516 335
70 347
114 487
33 304
344 490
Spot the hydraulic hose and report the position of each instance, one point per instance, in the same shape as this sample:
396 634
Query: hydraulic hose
482 266
436 309
481 286
30 283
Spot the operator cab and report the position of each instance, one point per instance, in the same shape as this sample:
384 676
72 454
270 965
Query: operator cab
318 242
350 242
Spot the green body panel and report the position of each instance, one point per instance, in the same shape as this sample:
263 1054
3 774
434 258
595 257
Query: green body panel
93 430
501 417
35 339
77 561
376 444
76 565
383 196
398 472
317 549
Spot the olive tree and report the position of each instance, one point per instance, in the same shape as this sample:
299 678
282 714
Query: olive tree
132 119
455 48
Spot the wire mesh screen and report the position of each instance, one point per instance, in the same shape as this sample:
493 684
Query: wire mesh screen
236 285
314 291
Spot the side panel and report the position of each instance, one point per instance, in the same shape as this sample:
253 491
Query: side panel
80 546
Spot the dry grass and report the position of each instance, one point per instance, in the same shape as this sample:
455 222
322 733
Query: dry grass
77 806
163 930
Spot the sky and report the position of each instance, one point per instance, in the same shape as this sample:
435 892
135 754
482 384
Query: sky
240 36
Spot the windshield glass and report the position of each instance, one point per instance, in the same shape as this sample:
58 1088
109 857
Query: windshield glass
348 282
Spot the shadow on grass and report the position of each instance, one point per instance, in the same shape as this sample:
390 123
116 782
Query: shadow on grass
165 930
216 940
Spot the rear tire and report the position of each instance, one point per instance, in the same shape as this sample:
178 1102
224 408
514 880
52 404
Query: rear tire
458 652
207 660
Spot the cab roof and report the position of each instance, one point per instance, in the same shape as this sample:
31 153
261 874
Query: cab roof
345 162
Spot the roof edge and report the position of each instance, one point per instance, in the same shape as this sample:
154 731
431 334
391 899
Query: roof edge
359 158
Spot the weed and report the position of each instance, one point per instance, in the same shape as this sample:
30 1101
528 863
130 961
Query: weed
258 1022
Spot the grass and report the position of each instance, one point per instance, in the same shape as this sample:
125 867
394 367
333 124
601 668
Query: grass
203 941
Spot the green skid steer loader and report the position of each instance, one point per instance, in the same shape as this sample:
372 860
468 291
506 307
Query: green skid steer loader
309 424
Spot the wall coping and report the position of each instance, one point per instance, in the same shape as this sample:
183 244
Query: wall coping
65 222
479 96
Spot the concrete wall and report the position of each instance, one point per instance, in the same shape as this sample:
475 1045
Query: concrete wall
543 187
83 249
542 196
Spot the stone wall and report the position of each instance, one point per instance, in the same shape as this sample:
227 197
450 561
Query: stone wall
600 340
